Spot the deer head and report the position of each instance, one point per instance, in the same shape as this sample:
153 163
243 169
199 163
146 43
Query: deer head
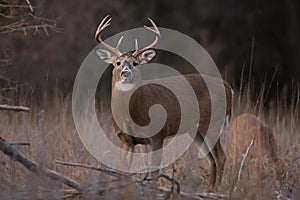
126 65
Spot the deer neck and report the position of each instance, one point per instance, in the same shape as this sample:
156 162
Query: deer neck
121 93
125 88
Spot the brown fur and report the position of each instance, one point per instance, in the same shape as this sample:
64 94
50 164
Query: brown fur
146 96
246 127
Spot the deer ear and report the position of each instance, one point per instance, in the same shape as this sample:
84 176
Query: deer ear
146 56
105 55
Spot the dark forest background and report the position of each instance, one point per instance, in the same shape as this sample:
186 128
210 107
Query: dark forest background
259 39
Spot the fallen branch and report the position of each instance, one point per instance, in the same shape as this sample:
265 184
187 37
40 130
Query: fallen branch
14 108
199 195
10 151
107 171
20 143
211 195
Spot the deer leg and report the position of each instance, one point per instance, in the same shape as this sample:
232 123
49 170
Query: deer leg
156 144
221 159
126 140
146 156
129 155
212 173
210 158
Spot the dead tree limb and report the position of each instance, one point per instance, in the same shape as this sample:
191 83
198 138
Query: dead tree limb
14 108
20 143
107 171
10 151
198 195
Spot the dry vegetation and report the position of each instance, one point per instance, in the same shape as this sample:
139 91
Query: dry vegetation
50 130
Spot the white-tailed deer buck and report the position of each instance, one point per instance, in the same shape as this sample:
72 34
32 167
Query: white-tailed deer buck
247 127
127 81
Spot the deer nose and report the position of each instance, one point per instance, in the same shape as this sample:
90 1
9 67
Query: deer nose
125 74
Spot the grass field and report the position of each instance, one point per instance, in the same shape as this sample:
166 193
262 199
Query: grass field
50 130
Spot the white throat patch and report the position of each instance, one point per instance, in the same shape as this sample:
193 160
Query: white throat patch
120 85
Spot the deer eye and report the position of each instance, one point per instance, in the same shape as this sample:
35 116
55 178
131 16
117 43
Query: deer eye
118 63
134 63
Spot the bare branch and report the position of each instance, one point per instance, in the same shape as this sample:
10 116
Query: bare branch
35 28
20 143
242 164
14 108
107 171
173 181
29 5
7 16
12 6
18 19
211 195
198 195
8 150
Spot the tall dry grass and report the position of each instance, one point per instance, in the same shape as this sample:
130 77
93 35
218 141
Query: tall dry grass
50 130
260 179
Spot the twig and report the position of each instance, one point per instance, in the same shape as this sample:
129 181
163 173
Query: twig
20 143
242 164
10 151
70 194
107 171
29 5
173 181
211 195
6 16
12 6
26 22
14 108
35 28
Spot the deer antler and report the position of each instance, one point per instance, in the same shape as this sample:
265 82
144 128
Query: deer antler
157 37
105 23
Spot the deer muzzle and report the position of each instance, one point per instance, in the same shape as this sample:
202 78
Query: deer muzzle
126 73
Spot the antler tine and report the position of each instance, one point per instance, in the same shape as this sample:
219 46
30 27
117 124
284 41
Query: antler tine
157 38
119 42
136 45
155 29
104 19
103 25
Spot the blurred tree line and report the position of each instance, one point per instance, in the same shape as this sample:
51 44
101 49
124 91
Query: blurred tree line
257 37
